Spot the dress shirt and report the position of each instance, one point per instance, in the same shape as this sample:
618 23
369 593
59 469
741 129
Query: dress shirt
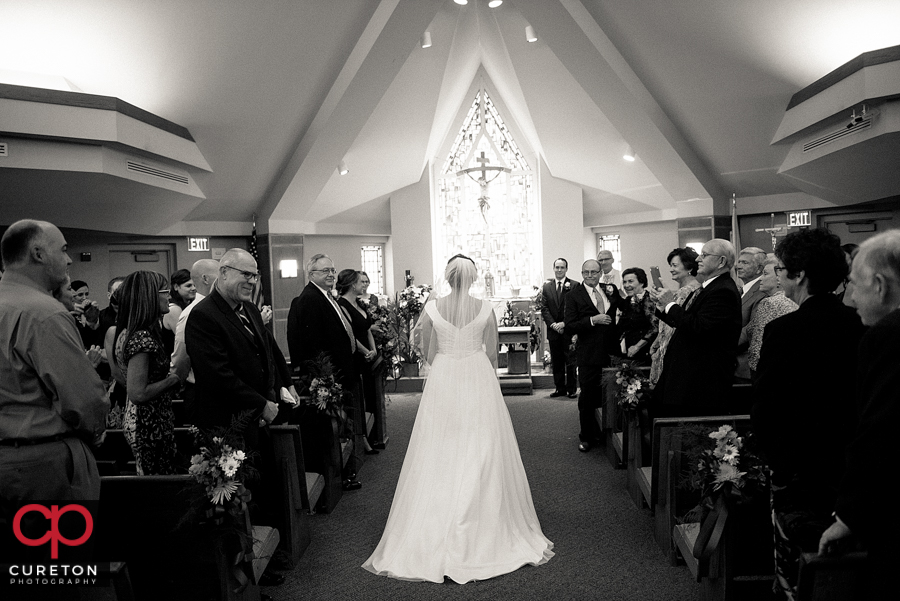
180 352
705 284
48 387
598 300
746 287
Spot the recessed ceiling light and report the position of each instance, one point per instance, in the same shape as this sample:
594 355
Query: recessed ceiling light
461 2
342 168
530 35
495 3
426 39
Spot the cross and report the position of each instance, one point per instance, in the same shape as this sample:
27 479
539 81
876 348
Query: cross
774 231
483 181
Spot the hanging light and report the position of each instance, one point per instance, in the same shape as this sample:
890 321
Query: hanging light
342 168
629 154
530 35
426 39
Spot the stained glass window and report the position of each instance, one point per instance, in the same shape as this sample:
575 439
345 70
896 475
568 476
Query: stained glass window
485 203
372 258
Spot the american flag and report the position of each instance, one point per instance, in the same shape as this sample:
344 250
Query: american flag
257 290
253 241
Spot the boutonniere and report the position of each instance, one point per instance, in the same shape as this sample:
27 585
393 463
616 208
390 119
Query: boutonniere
334 293
567 286
609 289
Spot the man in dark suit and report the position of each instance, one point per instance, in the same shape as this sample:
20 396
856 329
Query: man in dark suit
316 324
803 394
553 312
590 314
700 361
749 268
863 508
237 363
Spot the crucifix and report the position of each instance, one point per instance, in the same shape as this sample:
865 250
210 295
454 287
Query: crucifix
483 180
774 231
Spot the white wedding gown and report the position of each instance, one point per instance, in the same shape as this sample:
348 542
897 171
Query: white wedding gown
463 506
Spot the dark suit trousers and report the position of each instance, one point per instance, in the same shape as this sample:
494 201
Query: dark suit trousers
563 362
590 398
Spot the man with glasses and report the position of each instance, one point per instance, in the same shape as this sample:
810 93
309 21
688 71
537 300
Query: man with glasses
317 325
590 314
609 275
803 395
701 358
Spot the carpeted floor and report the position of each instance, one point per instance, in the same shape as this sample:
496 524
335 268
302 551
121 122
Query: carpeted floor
604 545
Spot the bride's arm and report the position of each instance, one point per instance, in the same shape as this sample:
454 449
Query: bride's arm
491 339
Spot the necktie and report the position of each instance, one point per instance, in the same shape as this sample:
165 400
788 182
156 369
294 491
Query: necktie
598 300
347 327
691 297
558 290
244 320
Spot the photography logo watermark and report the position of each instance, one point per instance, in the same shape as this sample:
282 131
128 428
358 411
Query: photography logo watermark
35 530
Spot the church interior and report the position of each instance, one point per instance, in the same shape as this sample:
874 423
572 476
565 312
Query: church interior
392 134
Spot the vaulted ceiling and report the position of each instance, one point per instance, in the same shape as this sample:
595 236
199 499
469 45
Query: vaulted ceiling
277 93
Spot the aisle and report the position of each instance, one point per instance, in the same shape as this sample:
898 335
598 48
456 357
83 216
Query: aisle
604 544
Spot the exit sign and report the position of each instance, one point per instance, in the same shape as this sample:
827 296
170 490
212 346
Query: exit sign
198 244
799 219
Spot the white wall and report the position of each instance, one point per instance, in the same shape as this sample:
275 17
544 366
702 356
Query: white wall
411 244
644 245
562 223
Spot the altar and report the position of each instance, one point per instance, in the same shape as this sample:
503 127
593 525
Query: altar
512 380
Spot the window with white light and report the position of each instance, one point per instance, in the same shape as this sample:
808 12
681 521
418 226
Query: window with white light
611 243
372 256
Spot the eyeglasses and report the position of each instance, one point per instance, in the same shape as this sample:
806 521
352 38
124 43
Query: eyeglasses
166 291
605 259
704 255
590 273
330 270
248 275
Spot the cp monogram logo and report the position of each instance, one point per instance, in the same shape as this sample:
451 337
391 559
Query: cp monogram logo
53 534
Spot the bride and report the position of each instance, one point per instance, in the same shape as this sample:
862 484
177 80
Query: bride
463 506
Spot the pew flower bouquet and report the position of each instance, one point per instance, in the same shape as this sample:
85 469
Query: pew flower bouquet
219 467
326 394
722 464
633 386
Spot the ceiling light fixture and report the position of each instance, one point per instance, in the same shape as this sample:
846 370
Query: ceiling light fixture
629 155
426 39
342 168
530 35
494 3
461 2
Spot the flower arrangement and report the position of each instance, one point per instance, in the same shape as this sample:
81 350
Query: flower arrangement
411 300
407 306
217 467
383 328
326 394
633 386
513 318
721 463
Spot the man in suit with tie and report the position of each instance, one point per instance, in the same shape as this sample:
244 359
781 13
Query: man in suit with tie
590 314
553 312
239 368
749 268
700 361
316 325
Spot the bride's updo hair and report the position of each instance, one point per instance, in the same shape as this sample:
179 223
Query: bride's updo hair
461 273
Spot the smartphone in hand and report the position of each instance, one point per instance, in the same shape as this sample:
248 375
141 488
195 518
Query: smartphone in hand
654 273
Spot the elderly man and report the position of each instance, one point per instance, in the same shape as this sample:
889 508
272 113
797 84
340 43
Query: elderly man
553 312
590 314
203 275
803 394
52 402
609 275
749 268
316 326
700 361
862 507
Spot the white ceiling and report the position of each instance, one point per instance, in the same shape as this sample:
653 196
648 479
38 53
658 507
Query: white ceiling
276 93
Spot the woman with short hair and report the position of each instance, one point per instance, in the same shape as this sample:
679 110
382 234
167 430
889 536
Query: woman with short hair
638 325
683 269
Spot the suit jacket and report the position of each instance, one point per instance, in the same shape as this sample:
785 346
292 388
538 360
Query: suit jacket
554 308
861 503
234 370
748 306
314 327
803 396
699 368
595 342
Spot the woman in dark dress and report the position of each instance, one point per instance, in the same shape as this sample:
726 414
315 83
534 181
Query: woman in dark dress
349 286
149 422
638 325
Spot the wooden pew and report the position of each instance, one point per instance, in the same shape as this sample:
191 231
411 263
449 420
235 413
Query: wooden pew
138 523
292 485
830 578
612 421
669 503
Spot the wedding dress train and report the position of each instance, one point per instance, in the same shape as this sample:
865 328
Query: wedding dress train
462 507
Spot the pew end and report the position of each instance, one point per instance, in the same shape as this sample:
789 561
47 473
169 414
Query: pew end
830 578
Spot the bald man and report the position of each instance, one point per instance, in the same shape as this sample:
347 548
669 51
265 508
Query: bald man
203 274
52 402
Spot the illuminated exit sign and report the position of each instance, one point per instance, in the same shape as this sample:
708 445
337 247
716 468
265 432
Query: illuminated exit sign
799 219
198 244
